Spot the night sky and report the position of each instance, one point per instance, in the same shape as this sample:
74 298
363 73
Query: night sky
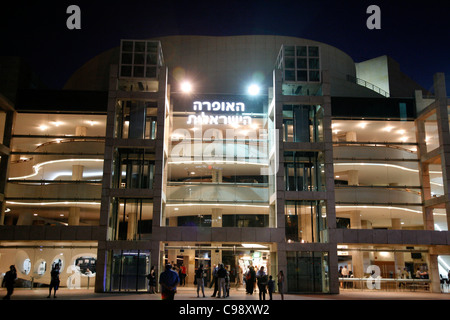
416 34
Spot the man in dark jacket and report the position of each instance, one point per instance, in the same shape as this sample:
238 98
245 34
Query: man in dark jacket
8 281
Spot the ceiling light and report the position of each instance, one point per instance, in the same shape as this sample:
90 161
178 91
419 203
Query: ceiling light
401 131
362 125
43 127
388 129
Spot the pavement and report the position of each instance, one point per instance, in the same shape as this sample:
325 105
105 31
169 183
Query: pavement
190 293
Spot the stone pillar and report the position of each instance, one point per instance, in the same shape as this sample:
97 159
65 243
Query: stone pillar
396 224
399 259
353 179
81 131
74 216
132 222
216 217
216 175
358 264
77 172
172 256
355 219
25 219
74 212
433 272
350 136
173 221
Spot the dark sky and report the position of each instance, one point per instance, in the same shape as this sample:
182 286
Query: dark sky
416 34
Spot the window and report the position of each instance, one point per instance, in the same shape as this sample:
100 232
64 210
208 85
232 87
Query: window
305 221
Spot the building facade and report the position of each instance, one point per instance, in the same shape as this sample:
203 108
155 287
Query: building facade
155 152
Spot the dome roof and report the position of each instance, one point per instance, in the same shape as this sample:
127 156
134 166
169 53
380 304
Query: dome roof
216 64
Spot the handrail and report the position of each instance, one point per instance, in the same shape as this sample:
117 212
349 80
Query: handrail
367 85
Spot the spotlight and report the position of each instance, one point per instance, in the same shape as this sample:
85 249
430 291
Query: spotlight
186 87
253 89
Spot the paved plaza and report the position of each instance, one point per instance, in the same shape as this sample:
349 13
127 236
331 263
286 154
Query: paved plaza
189 293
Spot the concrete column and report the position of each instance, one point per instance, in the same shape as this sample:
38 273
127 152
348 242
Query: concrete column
74 212
216 175
172 256
353 179
173 222
357 264
305 226
81 131
77 172
434 273
350 136
74 216
396 224
399 259
25 219
216 217
132 222
355 219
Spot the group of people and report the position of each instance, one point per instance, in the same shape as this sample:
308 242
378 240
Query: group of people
264 282
10 278
169 280
221 281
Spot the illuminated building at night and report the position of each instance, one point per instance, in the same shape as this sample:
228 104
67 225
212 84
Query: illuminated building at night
247 150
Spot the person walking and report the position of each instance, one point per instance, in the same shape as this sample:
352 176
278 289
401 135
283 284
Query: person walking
199 277
152 280
54 282
250 281
270 286
215 280
221 274
168 280
182 275
227 282
280 282
261 276
8 281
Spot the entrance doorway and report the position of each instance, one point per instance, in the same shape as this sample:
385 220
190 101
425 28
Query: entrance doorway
235 257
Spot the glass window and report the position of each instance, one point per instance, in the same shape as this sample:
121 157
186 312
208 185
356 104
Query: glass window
305 221
151 59
138 58
127 46
314 76
138 72
302 75
313 51
289 63
125 71
128 270
139 46
304 171
127 58
314 63
289 51
301 51
302 123
307 272
289 75
131 219
301 63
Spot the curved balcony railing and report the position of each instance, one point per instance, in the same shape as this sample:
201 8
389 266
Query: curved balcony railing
373 150
377 195
222 192
71 151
